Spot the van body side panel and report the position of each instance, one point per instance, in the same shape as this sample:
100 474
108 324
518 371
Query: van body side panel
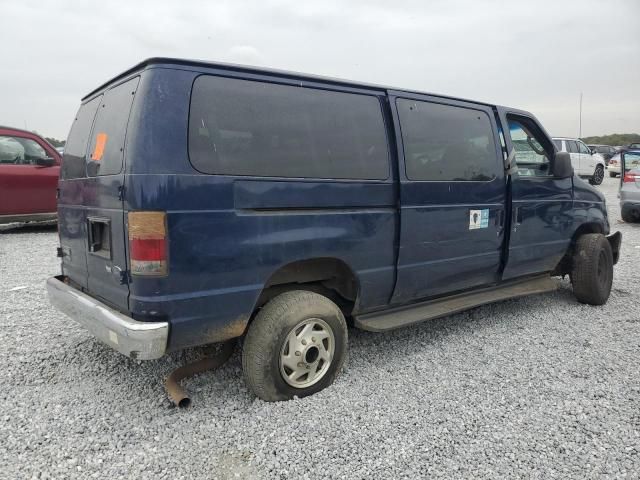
157 139
589 207
439 254
221 255
227 235
542 224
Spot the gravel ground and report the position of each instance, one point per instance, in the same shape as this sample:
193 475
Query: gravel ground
539 387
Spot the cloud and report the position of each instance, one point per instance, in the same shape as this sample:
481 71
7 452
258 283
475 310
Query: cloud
244 54
537 56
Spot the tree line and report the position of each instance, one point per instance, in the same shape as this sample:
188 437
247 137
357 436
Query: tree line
615 139
55 142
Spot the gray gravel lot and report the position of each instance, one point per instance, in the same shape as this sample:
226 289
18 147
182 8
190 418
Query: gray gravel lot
538 387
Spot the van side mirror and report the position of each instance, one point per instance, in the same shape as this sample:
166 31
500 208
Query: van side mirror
562 167
45 161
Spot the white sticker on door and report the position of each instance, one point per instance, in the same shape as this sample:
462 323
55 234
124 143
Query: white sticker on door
478 219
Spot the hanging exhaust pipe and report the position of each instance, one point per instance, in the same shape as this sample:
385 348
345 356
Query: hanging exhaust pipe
176 393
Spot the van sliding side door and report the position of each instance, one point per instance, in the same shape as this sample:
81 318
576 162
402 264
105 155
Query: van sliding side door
452 195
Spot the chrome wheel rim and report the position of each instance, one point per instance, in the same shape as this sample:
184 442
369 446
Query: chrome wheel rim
307 353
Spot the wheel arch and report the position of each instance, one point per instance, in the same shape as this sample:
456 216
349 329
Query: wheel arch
566 262
328 276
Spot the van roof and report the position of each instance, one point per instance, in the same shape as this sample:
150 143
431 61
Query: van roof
260 70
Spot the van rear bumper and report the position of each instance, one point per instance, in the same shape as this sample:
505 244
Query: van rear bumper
138 340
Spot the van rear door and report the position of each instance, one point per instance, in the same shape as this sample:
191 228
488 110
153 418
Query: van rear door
72 216
106 255
102 187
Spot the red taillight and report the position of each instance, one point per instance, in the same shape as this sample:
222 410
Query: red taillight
147 243
629 177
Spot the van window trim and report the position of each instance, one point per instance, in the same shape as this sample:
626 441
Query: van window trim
88 144
102 93
521 114
379 96
399 95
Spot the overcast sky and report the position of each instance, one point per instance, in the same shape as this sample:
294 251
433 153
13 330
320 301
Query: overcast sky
534 55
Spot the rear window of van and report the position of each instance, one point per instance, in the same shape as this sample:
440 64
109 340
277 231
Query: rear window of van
106 149
95 145
242 127
73 161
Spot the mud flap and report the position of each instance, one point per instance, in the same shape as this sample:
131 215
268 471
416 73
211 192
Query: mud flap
615 240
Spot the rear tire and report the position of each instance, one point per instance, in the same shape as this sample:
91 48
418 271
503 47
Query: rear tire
628 216
295 346
598 176
592 273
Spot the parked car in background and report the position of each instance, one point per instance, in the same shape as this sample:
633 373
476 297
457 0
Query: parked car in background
29 169
632 146
585 163
275 205
60 150
607 151
614 165
630 186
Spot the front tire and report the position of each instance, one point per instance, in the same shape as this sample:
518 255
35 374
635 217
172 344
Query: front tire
295 346
598 176
592 273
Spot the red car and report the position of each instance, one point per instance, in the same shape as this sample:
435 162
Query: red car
29 169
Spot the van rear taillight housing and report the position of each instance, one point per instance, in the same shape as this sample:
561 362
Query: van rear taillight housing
148 243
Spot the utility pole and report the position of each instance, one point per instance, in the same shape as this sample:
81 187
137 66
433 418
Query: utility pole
580 128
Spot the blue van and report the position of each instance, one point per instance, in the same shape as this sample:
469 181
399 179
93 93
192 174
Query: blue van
202 202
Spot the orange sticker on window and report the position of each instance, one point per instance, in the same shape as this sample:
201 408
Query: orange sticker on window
98 151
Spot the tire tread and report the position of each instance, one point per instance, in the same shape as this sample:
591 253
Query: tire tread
585 267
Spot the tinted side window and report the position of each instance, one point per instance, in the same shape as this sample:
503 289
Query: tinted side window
107 143
442 142
73 161
558 144
241 127
571 146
